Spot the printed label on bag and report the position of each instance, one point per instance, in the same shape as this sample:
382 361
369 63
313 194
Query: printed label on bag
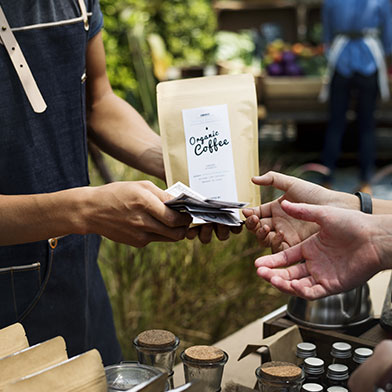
209 152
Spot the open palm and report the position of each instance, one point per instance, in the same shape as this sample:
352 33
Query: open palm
341 256
272 226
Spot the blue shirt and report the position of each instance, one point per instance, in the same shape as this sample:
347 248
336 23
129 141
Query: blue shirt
341 16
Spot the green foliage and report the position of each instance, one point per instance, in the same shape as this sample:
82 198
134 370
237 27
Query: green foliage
186 26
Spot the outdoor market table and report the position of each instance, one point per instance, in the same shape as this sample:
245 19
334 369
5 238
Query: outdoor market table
243 372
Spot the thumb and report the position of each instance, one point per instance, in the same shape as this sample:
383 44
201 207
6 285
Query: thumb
303 211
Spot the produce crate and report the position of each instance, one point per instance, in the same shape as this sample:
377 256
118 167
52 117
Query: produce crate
367 335
297 98
288 94
241 15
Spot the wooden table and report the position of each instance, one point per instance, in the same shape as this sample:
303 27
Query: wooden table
243 372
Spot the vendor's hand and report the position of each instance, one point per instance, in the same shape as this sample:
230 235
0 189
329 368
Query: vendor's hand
349 249
375 372
134 213
273 227
204 232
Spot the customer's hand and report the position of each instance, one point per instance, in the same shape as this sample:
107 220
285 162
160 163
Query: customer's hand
134 213
273 227
375 372
349 248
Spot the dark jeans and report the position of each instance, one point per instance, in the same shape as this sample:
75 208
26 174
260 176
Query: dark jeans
366 92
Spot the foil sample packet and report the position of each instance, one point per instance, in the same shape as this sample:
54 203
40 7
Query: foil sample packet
202 209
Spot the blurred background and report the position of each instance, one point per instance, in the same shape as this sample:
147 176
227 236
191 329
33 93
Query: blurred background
203 293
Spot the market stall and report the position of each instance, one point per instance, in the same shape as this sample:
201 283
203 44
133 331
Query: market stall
288 63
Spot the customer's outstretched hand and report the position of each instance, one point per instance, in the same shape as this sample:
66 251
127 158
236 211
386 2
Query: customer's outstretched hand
277 230
349 248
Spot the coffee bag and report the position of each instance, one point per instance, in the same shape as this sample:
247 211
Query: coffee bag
210 135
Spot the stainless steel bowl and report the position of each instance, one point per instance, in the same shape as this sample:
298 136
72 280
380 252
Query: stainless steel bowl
337 311
127 375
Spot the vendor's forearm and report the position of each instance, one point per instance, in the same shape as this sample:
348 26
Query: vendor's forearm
28 218
117 128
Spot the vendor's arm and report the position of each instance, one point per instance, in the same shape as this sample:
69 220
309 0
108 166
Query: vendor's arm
113 124
133 213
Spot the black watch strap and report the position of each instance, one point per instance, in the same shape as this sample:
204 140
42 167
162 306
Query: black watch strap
366 202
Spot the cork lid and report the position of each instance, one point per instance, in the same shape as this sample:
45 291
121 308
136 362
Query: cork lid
280 370
204 354
156 338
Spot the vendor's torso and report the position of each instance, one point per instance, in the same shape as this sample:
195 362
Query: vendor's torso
53 288
44 152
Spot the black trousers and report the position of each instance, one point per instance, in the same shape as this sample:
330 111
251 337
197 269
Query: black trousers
342 88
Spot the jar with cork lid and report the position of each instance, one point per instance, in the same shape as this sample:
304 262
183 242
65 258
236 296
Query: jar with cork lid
206 364
157 348
277 376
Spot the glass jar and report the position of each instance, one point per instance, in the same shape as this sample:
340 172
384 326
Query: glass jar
337 389
204 363
279 377
341 353
361 354
305 350
312 387
337 375
157 348
314 370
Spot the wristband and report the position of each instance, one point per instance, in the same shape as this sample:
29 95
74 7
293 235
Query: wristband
366 202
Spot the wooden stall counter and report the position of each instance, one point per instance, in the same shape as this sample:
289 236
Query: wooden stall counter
243 372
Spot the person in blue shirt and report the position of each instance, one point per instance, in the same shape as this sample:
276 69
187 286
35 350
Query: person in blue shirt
358 37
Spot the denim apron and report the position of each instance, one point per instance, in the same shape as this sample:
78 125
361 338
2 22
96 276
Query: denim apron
51 287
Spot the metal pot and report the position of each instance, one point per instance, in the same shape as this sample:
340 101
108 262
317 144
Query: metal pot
126 375
337 311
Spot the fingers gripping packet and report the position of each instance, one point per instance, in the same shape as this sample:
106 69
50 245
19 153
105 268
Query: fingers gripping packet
210 135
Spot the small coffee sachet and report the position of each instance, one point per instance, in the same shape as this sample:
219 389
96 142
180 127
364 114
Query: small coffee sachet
203 210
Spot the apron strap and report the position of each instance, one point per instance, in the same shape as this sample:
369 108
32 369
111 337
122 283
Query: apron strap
339 43
375 47
21 67
83 10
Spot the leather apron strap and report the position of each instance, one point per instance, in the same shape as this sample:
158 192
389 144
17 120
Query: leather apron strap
21 67
83 10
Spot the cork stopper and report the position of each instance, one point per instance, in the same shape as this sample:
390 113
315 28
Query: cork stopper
280 370
204 354
156 338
